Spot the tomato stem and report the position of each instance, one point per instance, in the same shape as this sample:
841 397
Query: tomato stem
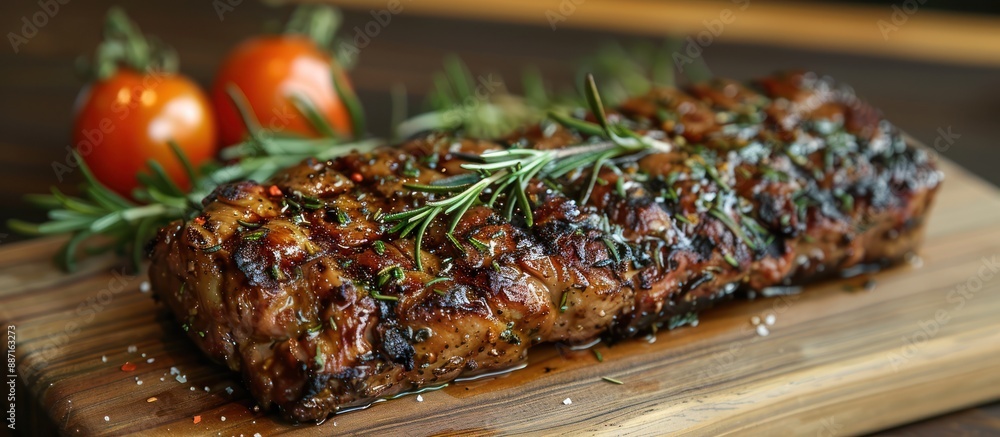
316 22
124 45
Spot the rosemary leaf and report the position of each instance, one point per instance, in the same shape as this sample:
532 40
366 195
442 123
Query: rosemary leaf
311 113
66 257
596 106
143 232
444 189
353 105
183 159
418 240
522 199
584 127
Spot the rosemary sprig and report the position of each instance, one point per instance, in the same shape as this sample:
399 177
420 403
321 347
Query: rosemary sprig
125 45
480 107
612 380
507 173
128 224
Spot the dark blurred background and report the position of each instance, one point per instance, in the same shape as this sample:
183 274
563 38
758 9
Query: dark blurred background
938 69
973 6
935 71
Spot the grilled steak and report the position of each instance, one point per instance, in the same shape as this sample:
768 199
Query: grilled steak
299 285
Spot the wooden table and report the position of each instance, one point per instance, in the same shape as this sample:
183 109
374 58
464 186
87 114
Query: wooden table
98 355
922 96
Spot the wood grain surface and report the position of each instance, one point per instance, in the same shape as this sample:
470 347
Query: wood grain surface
913 33
841 359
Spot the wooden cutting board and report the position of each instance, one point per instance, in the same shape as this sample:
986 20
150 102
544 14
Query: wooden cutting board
840 358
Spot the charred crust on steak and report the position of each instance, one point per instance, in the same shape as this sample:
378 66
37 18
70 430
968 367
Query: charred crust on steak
295 283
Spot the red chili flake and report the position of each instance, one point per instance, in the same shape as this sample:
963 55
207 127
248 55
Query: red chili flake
128 367
357 177
197 419
199 220
274 190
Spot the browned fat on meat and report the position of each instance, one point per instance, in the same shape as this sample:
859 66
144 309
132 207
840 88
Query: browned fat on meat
298 285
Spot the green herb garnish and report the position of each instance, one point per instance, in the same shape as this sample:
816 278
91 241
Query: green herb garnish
507 172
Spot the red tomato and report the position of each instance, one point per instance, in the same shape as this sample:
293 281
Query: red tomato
269 70
129 118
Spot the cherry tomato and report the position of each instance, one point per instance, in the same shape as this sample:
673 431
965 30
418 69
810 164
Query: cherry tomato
271 69
129 118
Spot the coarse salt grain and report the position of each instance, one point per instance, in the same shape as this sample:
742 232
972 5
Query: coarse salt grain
107 419
770 319
181 379
206 388
229 390
223 418
755 320
192 388
150 361
420 398
132 349
104 358
257 434
567 401
174 371
762 331
144 287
